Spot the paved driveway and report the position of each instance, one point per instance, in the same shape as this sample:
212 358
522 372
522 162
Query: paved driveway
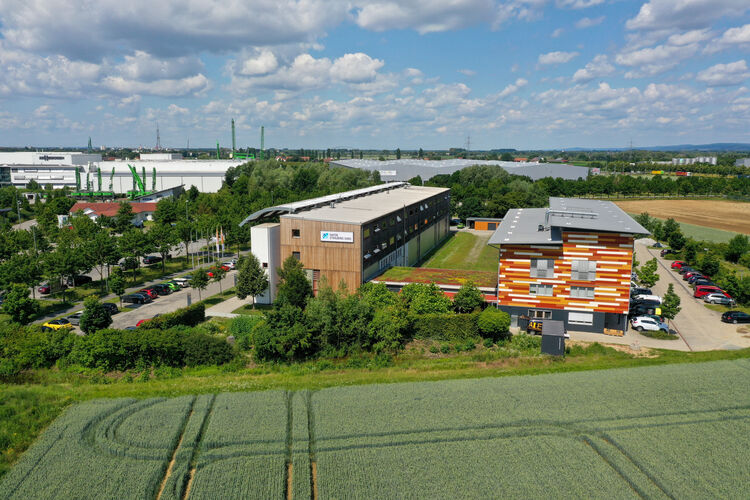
700 327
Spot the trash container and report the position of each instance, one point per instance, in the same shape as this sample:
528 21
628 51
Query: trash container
553 337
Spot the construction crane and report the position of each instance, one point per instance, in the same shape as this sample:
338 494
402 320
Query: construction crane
139 181
112 181
262 139
78 178
99 178
234 139
218 153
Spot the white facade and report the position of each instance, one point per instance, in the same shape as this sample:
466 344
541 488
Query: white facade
266 246
160 156
59 169
711 160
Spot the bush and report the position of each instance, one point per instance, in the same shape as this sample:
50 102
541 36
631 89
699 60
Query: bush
29 347
421 298
242 328
525 342
449 327
468 298
202 349
187 316
494 324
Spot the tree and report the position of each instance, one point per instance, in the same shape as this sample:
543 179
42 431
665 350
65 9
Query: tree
691 252
670 304
737 247
95 316
101 250
184 230
294 287
251 279
710 264
163 237
420 154
676 240
493 323
468 298
199 281
647 275
506 157
22 268
124 218
18 305
166 211
219 274
670 227
398 153
134 244
421 298
117 283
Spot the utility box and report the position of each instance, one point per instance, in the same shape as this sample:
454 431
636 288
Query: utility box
553 337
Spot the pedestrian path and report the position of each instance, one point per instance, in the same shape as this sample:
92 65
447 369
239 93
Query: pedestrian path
224 309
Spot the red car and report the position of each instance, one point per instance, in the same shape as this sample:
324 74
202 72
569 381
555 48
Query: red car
702 290
225 267
678 264
45 288
146 320
688 274
152 294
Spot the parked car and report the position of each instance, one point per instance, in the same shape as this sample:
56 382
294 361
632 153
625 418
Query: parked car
151 292
162 289
690 274
678 264
666 251
228 266
694 277
78 279
111 308
685 269
641 323
702 281
658 245
46 288
172 285
703 290
646 297
639 291
57 324
145 320
75 319
151 259
184 282
718 298
136 298
735 317
644 310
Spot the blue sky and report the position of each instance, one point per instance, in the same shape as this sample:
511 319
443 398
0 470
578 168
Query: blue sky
375 74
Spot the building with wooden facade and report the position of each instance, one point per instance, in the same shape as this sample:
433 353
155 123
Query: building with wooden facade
483 223
569 262
356 235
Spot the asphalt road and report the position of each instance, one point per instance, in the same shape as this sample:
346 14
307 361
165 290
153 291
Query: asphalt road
700 328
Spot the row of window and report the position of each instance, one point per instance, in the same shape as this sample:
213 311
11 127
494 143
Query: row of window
581 270
574 318
545 290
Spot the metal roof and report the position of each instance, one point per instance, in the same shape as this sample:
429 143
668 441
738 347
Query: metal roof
544 226
297 206
405 169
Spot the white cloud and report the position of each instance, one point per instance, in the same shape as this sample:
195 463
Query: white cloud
684 14
733 73
588 22
556 57
557 33
423 17
195 85
145 67
577 4
651 61
467 72
739 36
355 68
513 87
263 63
597 68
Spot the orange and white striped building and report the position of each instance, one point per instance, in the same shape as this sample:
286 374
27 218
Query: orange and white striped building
570 262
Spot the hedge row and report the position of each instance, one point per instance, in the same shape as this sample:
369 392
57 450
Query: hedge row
445 326
187 316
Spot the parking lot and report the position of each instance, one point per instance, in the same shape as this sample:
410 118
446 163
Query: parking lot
700 328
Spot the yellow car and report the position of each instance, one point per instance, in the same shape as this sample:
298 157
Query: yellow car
57 324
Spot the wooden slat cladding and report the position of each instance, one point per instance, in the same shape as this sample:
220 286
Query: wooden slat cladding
335 261
612 252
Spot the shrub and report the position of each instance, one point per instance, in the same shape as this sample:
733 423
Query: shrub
242 328
188 316
425 299
202 349
449 327
525 342
468 298
488 343
95 316
445 348
493 324
29 347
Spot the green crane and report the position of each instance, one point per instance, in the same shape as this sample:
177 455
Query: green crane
153 180
218 154
112 180
78 178
99 178
262 139
234 140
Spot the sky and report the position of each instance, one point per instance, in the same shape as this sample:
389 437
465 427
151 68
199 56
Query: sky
435 74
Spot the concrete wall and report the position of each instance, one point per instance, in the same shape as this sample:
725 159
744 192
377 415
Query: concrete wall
266 246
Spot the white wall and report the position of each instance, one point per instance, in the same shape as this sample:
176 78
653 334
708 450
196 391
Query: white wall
266 246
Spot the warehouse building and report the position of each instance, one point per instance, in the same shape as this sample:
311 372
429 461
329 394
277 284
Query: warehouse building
158 172
356 235
405 169
569 262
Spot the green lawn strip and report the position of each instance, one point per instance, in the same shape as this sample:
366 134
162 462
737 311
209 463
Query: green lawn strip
442 276
723 309
219 297
464 251
248 309
31 405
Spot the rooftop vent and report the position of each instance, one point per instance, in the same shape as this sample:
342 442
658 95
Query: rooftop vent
332 204
541 227
568 213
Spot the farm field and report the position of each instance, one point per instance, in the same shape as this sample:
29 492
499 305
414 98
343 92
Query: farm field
729 216
672 431
465 250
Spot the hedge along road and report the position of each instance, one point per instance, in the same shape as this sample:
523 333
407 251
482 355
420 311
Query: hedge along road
132 314
700 327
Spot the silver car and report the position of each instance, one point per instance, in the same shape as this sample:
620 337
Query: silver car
718 298
75 319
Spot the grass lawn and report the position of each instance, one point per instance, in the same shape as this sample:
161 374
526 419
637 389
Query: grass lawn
29 404
248 309
464 250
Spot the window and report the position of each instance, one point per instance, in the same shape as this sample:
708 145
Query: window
540 289
296 255
542 268
540 314
377 228
265 265
393 221
295 233
583 270
582 292
366 233
575 318
398 218
384 245
392 240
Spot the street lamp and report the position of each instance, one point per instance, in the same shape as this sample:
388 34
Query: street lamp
18 206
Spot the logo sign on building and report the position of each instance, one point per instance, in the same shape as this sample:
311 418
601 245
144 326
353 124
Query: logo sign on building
337 236
387 173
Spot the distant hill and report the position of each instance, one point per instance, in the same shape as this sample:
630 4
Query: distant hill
718 147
